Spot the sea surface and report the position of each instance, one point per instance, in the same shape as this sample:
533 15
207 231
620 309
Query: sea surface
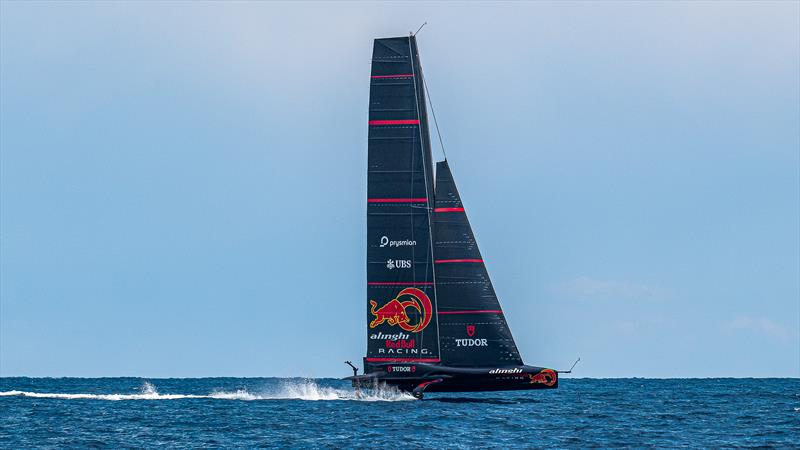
325 413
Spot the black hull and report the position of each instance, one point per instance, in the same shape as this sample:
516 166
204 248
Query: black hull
419 378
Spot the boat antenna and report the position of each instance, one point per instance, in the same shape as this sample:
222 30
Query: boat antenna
420 27
355 369
570 369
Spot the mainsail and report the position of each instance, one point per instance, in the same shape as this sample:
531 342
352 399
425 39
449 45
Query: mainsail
473 330
401 291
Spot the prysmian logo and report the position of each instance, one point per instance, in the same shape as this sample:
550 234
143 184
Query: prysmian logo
385 242
398 264
514 370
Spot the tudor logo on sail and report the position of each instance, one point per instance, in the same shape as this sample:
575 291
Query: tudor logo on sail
396 311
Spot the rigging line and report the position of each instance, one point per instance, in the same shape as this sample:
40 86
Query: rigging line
430 103
413 159
415 58
420 27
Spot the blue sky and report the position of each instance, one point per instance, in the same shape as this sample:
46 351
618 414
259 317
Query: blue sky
182 185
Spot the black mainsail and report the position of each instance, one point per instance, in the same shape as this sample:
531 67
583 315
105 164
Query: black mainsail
433 319
401 293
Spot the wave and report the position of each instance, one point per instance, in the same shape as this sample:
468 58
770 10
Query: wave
294 390
309 390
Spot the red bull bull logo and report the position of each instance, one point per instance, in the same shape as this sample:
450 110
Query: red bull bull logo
547 377
396 311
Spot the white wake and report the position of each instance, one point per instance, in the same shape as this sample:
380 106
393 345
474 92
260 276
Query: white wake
148 392
309 390
289 390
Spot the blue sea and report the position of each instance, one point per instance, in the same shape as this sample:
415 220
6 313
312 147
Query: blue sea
325 413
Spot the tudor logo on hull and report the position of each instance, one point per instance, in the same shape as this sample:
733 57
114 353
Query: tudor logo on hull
396 311
407 369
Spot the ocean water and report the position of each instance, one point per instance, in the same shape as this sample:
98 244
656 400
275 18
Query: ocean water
325 413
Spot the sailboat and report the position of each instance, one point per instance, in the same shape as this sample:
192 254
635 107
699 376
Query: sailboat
434 322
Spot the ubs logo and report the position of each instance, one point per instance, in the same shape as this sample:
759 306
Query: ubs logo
398 264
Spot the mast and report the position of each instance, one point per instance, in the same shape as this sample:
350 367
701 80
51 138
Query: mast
420 90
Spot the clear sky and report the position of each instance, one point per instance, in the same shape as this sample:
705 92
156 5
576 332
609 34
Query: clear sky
182 186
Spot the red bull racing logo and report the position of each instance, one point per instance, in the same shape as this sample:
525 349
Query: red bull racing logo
547 377
396 311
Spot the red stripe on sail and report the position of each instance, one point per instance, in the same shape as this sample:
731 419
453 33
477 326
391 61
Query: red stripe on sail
395 122
477 311
403 360
399 283
400 75
397 200
439 261
448 210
